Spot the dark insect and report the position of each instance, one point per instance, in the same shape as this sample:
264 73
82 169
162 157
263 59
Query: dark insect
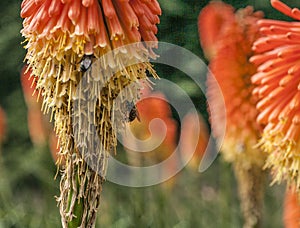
131 112
86 63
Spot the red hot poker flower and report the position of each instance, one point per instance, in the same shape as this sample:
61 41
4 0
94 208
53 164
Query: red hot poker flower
277 80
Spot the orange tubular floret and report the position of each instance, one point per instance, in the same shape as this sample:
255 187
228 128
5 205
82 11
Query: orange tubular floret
108 9
126 14
94 19
138 9
80 27
28 8
88 3
74 10
63 20
101 36
66 1
42 13
153 6
153 18
280 6
55 8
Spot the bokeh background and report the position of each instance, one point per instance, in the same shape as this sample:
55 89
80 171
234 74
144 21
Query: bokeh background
27 184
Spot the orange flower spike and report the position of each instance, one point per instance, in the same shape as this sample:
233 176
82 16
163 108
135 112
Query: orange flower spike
277 55
230 44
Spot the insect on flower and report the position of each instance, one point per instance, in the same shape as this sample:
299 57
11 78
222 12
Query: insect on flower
131 111
86 63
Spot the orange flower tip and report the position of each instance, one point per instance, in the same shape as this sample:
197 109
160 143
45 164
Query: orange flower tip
211 20
74 11
87 3
55 8
291 71
280 6
65 1
296 120
108 9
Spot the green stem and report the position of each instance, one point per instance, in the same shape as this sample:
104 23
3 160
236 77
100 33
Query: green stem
78 210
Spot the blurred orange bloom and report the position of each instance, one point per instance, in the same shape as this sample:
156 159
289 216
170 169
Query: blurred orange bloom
155 114
235 33
277 80
189 139
231 67
54 147
2 125
291 211
212 23
28 83
38 124
40 129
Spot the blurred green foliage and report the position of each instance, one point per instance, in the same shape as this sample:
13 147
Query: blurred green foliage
27 185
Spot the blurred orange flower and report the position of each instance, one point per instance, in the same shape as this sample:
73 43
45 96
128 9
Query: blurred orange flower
291 211
38 124
235 33
2 125
212 23
40 129
190 138
277 80
155 114
232 70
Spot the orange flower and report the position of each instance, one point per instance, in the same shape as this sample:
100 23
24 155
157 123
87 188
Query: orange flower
188 139
277 83
59 33
231 68
291 212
